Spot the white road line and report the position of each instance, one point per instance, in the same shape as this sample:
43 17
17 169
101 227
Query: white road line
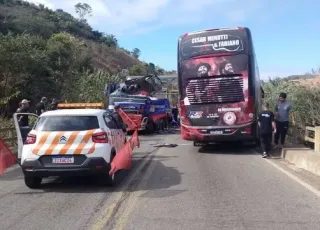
295 178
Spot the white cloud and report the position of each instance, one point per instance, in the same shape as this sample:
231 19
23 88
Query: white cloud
141 16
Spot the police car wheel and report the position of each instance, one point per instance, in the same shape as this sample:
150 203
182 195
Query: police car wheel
32 182
107 180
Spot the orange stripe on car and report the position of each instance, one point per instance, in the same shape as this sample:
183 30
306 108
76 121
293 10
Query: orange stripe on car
41 142
92 148
70 142
53 144
84 141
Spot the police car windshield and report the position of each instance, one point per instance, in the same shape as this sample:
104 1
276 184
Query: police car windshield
66 123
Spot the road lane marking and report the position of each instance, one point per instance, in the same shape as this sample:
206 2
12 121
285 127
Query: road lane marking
295 178
124 215
111 209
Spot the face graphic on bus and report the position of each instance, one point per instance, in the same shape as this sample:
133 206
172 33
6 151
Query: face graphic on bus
226 68
203 69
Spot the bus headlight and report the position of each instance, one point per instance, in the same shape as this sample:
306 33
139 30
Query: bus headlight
251 115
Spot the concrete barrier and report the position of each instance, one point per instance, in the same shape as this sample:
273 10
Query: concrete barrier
304 158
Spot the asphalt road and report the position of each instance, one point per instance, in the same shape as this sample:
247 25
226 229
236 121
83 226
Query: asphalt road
58 204
187 187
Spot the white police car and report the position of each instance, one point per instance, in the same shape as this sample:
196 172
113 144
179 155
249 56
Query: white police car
70 142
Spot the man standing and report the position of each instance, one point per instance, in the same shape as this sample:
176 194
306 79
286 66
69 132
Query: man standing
174 113
23 119
282 111
266 123
54 104
41 106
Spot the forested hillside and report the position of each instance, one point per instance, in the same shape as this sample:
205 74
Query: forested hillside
51 53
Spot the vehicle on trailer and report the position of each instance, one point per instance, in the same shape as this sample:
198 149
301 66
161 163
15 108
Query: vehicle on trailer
219 86
70 142
135 98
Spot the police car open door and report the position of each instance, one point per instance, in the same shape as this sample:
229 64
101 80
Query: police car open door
23 131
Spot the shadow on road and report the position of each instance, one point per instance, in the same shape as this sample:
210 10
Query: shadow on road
167 177
230 148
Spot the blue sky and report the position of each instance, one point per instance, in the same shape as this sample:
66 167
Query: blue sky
286 33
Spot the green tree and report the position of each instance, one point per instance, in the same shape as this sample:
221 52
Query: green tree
136 53
67 56
83 10
89 85
138 70
110 40
151 68
159 70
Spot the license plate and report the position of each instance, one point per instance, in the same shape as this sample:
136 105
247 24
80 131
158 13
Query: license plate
63 160
216 132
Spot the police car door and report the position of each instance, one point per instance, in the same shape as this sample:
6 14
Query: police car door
113 133
23 131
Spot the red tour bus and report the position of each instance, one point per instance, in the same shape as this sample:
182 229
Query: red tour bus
220 88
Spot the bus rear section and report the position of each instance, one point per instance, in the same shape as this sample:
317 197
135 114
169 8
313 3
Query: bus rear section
217 86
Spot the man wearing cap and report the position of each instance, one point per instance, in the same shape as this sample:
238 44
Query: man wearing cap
41 106
23 119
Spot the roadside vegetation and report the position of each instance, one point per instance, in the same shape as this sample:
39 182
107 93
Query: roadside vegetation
304 93
51 53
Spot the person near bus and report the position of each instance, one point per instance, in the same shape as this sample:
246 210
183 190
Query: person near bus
283 109
266 123
41 106
174 113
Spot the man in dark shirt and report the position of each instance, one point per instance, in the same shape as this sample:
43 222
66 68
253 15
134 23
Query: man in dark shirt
41 106
23 119
283 110
54 104
266 122
175 114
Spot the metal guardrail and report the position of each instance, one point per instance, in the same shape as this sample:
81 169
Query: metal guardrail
10 137
312 135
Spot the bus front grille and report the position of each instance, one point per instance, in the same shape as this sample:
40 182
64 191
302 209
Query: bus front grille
215 90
